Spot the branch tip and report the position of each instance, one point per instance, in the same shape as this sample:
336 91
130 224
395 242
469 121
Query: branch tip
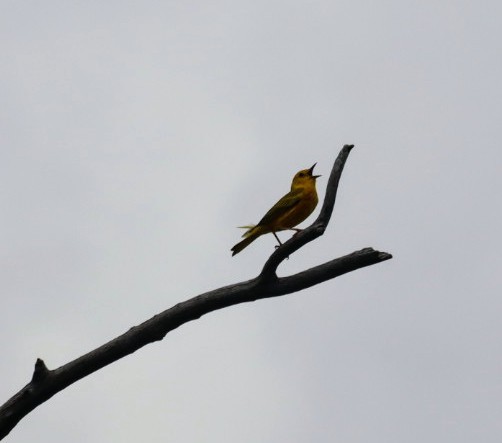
384 256
41 371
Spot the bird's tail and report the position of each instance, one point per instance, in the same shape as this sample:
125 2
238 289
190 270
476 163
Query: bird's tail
249 228
252 233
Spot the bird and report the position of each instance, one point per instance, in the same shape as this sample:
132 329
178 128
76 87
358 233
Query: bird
288 212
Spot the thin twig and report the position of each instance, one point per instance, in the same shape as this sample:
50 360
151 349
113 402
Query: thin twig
317 228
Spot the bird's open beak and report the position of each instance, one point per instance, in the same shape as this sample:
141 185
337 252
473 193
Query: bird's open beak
311 170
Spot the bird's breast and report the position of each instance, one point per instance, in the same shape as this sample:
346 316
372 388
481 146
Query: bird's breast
299 212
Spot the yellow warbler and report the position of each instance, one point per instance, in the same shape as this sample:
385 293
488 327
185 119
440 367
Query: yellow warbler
288 212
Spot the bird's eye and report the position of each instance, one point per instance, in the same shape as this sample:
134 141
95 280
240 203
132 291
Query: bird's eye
301 174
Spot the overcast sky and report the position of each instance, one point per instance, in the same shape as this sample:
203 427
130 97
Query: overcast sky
136 136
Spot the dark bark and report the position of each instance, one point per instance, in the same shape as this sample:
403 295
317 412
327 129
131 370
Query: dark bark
45 383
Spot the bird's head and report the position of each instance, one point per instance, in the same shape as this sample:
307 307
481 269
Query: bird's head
304 178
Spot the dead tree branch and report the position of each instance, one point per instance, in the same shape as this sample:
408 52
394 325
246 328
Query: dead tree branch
45 383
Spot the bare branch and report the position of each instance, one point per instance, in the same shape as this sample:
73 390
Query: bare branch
45 383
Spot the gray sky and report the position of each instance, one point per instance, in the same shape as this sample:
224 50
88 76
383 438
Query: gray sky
137 135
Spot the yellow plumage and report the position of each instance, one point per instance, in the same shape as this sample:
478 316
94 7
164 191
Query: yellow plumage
288 212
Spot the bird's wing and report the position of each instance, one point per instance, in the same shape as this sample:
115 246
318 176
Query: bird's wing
285 204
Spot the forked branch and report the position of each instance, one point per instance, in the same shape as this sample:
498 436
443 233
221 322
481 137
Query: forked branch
45 383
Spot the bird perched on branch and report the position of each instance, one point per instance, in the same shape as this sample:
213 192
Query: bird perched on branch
288 212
